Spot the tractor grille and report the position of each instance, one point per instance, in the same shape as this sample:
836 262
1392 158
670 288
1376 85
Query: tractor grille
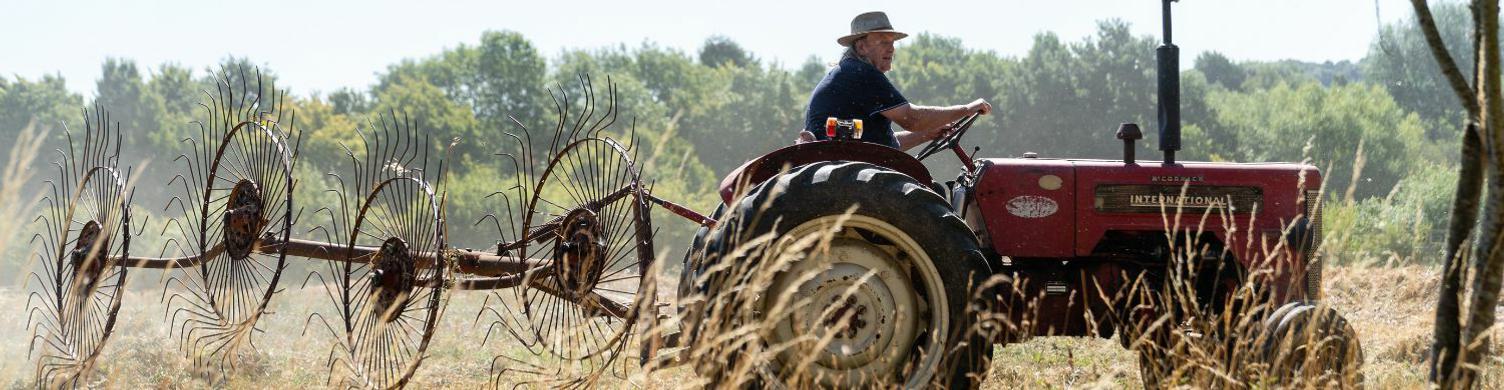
1313 263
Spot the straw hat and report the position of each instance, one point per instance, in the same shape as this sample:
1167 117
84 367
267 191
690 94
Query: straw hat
868 23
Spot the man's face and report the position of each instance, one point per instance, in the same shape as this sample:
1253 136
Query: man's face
878 49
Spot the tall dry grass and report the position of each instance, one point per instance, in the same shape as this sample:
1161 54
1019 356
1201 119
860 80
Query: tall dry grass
15 208
1390 308
15 203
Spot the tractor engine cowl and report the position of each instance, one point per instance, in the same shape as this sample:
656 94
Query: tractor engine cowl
1035 208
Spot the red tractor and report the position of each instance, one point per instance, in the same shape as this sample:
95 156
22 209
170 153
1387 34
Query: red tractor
862 270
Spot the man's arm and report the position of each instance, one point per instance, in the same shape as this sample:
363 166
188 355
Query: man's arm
924 122
909 139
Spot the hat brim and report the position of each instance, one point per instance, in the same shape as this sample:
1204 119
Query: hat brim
847 40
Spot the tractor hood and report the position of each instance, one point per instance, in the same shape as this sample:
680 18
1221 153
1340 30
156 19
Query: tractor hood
1036 207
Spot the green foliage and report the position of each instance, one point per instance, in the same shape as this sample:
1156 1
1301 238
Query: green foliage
470 198
179 95
502 77
326 133
810 73
1068 99
1276 124
348 101
1400 60
1407 225
442 119
1221 71
761 110
45 102
1266 75
936 70
693 117
140 112
722 51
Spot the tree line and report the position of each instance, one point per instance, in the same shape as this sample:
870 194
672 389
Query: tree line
1382 127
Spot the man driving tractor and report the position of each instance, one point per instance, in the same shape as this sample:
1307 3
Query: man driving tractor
857 89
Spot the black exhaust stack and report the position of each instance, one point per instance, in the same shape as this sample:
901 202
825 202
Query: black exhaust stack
1169 92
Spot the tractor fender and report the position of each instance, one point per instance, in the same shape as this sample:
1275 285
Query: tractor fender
760 169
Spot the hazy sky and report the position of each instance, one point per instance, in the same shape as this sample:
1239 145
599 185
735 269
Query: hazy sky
324 45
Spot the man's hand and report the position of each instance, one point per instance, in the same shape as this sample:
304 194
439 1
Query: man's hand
979 105
938 134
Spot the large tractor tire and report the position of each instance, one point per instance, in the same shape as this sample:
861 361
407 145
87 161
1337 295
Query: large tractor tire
850 275
1309 344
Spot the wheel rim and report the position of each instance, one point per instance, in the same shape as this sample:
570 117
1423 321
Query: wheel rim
392 318
84 223
874 294
240 169
83 282
248 194
590 190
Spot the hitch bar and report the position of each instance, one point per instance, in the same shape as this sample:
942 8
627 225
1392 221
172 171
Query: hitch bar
468 261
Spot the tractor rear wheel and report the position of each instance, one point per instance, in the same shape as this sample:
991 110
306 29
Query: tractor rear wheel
855 276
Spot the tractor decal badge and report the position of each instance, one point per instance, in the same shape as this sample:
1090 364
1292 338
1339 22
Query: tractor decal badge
1030 206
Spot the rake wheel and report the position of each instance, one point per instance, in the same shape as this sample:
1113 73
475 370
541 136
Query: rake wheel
392 317
587 221
388 288
86 223
243 165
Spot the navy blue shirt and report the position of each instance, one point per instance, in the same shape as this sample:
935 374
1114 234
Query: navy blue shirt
855 90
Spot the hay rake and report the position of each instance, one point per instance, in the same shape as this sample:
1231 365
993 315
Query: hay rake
570 275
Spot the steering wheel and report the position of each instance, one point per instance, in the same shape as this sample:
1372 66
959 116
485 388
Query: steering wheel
958 129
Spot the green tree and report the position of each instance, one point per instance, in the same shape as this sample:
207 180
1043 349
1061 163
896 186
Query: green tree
180 94
501 78
1399 60
810 73
720 51
1266 75
761 110
245 76
658 113
347 101
934 70
326 133
124 95
46 101
438 117
1275 125
1068 99
1221 71
509 78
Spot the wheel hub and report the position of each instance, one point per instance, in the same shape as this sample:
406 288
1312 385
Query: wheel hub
243 220
851 309
579 254
863 300
87 261
393 279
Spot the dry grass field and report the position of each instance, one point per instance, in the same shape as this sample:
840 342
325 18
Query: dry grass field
1391 307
